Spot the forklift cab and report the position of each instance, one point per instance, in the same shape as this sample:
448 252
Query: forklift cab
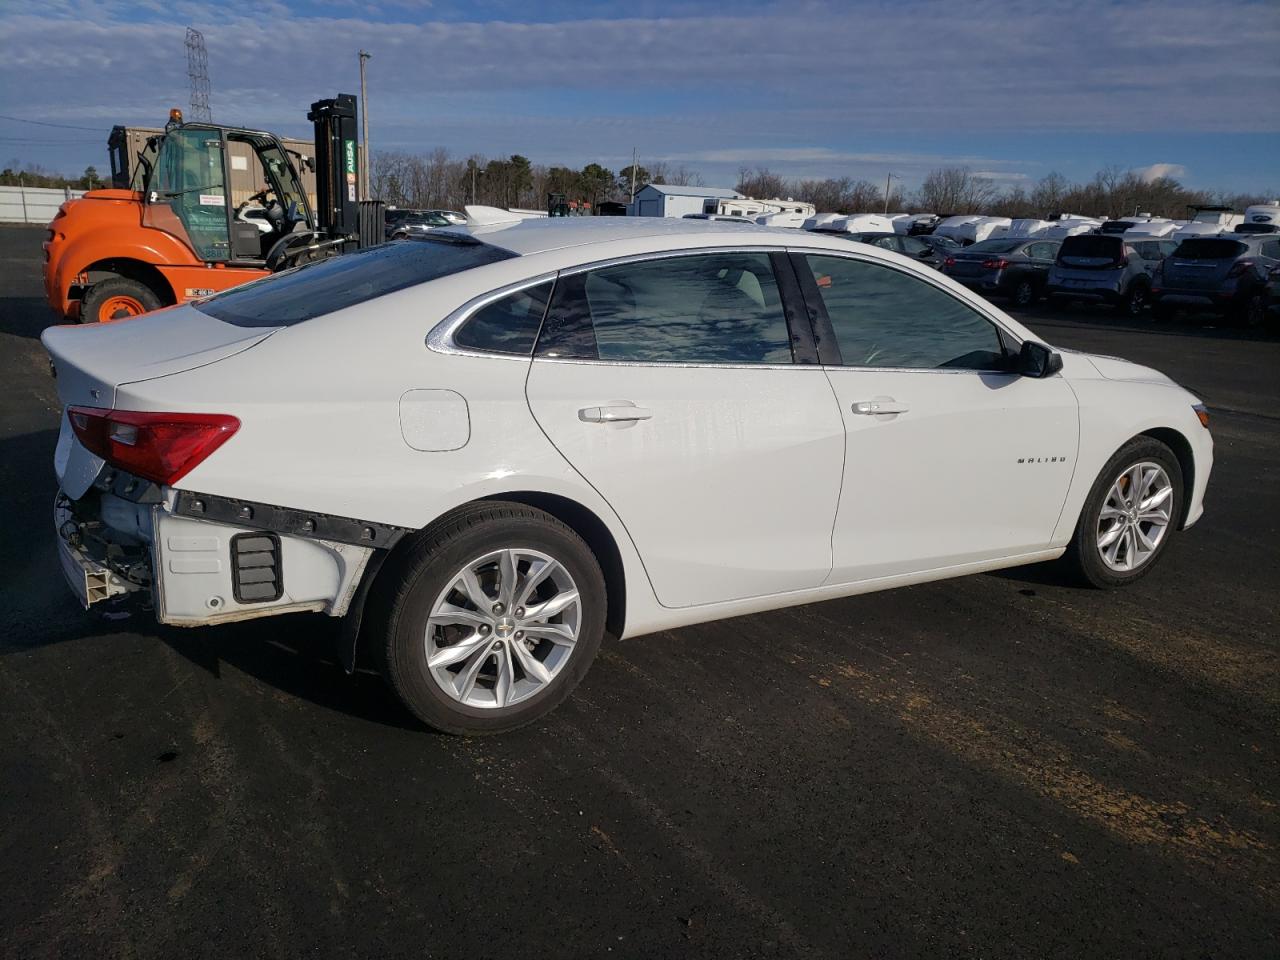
184 177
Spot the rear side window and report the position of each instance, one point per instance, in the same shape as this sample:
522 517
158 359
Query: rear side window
327 286
886 318
508 325
1271 249
1209 248
712 308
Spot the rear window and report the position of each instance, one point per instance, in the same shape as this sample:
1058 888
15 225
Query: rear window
327 286
1089 246
1209 248
995 246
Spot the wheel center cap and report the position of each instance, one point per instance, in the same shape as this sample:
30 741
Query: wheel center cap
504 627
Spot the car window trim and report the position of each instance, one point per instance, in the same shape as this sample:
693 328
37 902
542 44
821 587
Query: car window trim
825 334
804 352
440 338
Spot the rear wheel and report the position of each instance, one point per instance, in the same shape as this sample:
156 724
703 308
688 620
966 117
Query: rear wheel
117 298
1024 294
1129 516
1254 312
494 616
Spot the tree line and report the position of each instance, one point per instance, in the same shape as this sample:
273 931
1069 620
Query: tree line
439 180
31 175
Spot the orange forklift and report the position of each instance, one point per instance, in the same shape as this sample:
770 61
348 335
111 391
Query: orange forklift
167 230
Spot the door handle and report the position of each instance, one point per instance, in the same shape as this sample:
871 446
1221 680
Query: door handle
614 414
873 408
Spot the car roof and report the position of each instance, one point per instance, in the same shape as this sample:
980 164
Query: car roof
544 234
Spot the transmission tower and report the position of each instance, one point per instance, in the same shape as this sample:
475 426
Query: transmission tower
198 74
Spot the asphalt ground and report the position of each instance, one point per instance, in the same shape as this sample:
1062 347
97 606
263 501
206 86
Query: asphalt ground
998 766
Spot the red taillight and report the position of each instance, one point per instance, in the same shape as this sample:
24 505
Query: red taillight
949 262
999 264
1239 267
163 447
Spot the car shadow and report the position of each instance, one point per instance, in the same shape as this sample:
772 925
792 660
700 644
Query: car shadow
25 316
296 655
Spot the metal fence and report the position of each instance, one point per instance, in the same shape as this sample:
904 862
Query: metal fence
33 204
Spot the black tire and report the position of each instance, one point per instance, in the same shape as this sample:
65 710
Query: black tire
424 569
1134 301
1023 294
114 290
1082 558
1254 312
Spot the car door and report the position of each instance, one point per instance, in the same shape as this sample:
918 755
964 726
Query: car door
951 458
1041 256
687 392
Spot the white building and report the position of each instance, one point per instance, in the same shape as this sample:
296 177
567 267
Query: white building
668 200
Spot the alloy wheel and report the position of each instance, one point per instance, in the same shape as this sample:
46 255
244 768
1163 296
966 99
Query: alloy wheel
503 628
1135 516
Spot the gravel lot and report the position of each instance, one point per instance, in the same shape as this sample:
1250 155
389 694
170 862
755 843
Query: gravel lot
999 766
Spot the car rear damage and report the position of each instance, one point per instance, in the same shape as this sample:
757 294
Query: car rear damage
125 531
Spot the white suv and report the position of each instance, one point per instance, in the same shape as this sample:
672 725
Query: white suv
488 448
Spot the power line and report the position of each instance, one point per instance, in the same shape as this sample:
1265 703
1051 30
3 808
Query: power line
45 123
45 143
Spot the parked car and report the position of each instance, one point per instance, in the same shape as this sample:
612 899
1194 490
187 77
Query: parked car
941 245
913 247
1271 294
1227 274
1104 268
489 448
1016 268
412 223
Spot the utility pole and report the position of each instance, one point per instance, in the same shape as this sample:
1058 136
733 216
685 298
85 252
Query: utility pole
633 176
887 178
364 120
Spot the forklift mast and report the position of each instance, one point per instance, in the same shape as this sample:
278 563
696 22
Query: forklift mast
337 163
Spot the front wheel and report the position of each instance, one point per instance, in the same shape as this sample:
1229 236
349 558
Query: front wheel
1129 516
1134 301
117 298
494 616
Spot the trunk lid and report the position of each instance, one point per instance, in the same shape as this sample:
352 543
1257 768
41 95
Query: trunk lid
91 361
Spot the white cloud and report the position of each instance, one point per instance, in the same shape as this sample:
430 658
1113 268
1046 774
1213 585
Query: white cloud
1155 171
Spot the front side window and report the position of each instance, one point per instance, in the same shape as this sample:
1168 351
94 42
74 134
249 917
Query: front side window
509 325
887 318
708 308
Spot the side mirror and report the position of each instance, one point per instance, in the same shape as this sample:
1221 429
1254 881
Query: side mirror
1037 360
926 253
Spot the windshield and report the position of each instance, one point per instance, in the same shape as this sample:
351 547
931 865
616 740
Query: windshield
995 246
327 286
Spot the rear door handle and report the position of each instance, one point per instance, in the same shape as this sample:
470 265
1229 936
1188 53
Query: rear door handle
614 414
871 408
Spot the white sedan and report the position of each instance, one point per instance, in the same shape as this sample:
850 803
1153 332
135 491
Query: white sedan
487 448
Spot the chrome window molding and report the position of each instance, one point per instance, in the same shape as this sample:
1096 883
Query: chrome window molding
440 339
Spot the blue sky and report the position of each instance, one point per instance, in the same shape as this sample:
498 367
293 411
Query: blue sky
1011 88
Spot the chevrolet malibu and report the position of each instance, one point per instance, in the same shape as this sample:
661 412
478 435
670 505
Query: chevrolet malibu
487 449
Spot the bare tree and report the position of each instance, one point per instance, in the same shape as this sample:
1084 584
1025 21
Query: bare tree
956 190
